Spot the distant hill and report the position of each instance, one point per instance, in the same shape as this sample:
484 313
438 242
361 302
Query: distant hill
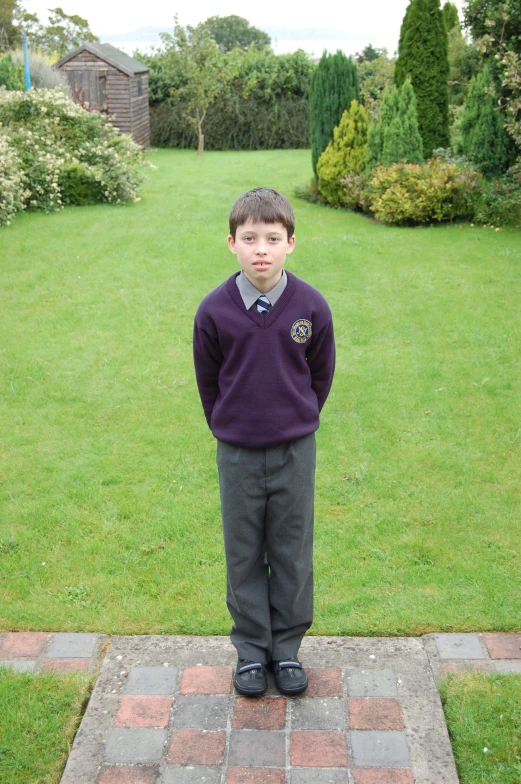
151 34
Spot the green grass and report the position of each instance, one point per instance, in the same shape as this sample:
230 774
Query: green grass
109 516
483 715
39 716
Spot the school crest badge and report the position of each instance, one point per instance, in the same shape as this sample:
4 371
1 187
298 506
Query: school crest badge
301 330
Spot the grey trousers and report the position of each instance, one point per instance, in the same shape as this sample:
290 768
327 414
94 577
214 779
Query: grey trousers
267 506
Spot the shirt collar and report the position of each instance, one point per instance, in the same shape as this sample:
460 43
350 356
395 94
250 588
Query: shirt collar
250 294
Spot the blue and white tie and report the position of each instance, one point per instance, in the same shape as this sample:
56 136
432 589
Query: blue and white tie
263 304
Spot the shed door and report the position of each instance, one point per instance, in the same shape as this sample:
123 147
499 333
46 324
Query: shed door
89 86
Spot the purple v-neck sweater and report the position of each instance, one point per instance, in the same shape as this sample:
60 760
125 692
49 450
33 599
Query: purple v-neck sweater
263 379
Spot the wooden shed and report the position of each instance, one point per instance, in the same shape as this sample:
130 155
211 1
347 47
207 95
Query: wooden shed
113 83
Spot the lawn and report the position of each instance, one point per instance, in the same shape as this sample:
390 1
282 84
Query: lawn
109 517
39 716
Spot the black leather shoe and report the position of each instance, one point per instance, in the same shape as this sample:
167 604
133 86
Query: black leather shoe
290 676
250 678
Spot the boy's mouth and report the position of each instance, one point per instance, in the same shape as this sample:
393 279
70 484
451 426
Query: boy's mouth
260 265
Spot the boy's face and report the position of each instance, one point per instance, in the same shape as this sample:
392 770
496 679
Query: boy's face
261 250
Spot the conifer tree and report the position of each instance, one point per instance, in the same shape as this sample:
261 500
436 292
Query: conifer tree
345 154
450 16
484 139
423 55
334 84
396 138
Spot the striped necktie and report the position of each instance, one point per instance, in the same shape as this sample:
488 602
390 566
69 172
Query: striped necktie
263 304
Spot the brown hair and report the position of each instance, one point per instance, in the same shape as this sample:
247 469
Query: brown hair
262 205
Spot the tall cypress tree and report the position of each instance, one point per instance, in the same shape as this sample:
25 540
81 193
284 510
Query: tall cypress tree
484 139
423 55
334 84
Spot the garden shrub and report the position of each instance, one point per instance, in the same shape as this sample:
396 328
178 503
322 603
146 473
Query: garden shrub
13 193
499 203
63 151
11 74
345 154
395 138
357 191
423 193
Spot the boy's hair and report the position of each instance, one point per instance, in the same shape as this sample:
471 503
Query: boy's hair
262 205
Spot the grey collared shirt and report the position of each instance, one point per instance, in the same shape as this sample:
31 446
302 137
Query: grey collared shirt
250 294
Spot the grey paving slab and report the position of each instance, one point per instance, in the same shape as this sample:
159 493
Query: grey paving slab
135 746
314 713
320 776
460 646
506 666
257 748
193 774
203 712
151 681
371 683
72 646
19 665
379 749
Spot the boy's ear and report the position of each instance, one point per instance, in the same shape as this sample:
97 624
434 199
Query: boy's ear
231 244
291 244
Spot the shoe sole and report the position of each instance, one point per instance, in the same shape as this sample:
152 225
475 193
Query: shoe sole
284 690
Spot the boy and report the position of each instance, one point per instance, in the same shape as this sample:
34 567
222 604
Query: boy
264 361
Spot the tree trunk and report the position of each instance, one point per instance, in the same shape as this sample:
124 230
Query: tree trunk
200 142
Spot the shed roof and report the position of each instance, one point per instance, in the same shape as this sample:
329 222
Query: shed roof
111 55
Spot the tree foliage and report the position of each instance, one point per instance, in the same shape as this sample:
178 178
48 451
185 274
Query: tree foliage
396 138
374 77
235 32
450 16
484 139
11 74
345 154
368 54
334 85
9 32
423 55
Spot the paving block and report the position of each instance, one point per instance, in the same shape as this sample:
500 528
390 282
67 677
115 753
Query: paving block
315 713
507 667
379 749
324 682
503 646
474 665
191 774
383 776
18 644
257 748
319 776
206 680
375 713
66 665
19 665
318 749
196 747
459 646
128 774
135 746
72 646
255 776
201 711
371 683
259 714
156 681
149 711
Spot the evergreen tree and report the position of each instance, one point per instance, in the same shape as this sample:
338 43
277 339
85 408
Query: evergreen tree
422 55
450 16
484 139
345 153
334 85
396 138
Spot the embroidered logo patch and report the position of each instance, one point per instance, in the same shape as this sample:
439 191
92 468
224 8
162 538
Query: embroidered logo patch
301 331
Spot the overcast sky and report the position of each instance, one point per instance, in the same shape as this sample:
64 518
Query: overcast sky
375 21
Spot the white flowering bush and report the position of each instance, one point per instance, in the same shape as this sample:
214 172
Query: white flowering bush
13 193
66 154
